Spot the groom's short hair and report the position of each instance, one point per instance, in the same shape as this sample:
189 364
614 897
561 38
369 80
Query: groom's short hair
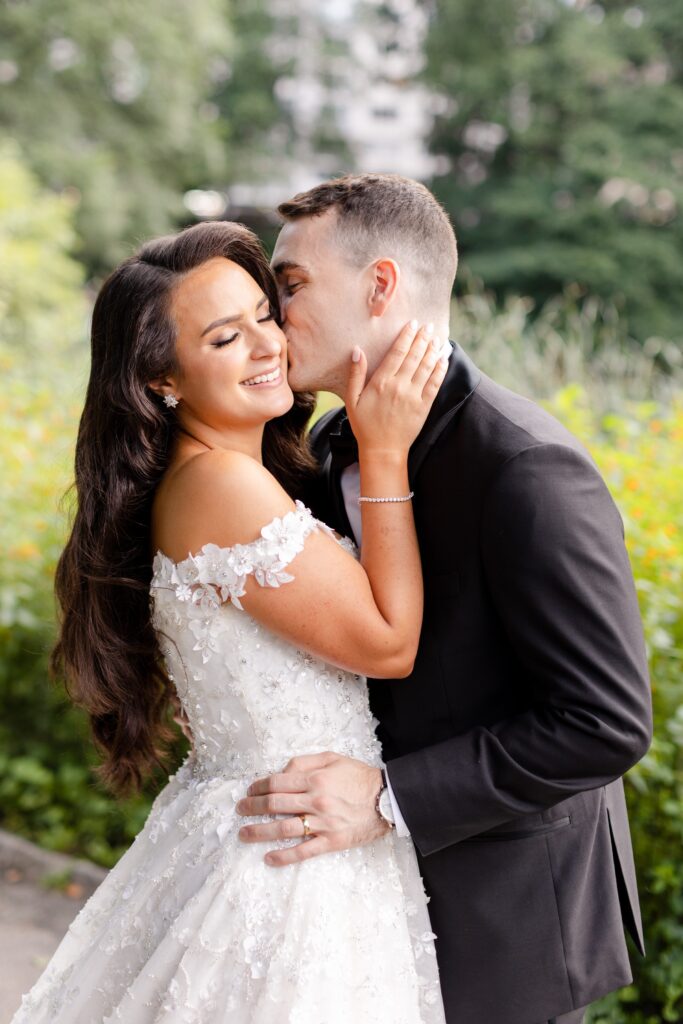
388 215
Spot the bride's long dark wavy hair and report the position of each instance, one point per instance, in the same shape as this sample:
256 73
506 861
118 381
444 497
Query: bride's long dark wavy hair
106 651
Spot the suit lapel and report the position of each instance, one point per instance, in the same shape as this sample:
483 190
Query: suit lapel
319 438
336 497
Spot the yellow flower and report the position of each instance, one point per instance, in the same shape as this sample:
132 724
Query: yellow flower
24 551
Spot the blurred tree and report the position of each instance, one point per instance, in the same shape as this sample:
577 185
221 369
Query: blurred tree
279 105
110 102
254 123
289 65
561 123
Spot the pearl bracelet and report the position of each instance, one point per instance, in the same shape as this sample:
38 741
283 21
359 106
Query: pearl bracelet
406 497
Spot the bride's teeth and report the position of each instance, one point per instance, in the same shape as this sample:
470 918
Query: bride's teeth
262 378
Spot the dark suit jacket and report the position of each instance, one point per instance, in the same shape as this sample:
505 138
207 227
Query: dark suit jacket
528 701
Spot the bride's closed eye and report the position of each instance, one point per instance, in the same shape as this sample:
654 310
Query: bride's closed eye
226 341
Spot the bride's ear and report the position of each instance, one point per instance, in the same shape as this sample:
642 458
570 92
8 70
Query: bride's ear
386 274
164 387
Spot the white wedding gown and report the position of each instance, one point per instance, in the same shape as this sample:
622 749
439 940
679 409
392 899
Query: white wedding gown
191 926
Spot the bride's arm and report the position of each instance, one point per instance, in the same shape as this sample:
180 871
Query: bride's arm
363 617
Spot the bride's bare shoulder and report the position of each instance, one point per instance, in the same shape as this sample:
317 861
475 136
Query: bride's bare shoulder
220 466
215 497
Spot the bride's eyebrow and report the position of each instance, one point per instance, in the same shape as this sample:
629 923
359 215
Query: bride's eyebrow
231 319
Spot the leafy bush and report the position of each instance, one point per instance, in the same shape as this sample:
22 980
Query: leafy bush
46 789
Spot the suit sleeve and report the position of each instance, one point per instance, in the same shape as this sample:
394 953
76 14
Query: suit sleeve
559 579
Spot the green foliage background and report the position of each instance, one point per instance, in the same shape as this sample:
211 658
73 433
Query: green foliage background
102 140
107 103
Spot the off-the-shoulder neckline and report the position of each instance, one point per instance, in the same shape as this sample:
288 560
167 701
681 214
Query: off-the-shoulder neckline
300 510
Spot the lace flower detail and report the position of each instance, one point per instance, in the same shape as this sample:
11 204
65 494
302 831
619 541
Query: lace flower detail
206 641
217 574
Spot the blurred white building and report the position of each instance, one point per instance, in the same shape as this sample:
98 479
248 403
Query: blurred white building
351 94
383 113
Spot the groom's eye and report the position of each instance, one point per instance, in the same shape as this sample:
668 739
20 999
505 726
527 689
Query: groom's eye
289 287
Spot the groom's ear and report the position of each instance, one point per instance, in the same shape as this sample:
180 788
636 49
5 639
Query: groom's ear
386 274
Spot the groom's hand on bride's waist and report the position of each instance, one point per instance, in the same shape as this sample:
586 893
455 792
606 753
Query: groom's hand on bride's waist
336 794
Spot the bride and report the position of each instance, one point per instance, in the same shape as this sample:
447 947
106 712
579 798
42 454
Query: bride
194 573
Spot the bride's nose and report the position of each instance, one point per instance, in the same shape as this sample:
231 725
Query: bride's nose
268 342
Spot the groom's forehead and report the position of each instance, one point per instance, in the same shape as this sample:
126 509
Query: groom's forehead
308 244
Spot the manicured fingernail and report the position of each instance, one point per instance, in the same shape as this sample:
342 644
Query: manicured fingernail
413 325
429 329
355 355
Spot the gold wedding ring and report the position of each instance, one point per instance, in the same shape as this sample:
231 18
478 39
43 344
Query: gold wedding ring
304 820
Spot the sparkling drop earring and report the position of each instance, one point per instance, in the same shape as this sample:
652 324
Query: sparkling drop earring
170 401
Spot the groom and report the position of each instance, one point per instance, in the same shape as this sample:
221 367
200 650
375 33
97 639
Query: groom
529 697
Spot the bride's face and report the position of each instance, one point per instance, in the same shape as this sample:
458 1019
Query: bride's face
227 341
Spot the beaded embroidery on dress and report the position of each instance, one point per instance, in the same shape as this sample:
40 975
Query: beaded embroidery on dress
191 926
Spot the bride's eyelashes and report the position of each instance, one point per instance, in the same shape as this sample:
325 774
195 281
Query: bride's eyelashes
224 341
227 341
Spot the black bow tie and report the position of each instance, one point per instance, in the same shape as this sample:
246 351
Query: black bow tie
343 446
